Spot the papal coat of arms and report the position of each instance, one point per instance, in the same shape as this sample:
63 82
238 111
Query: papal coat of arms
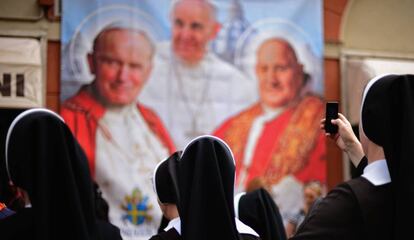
136 207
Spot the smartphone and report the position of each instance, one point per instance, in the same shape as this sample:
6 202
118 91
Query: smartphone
331 113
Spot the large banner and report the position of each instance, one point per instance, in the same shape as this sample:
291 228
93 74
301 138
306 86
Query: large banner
140 79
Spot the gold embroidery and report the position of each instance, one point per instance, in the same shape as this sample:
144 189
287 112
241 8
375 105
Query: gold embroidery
236 135
291 153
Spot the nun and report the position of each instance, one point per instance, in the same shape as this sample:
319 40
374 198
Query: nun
167 197
379 203
204 179
258 210
47 163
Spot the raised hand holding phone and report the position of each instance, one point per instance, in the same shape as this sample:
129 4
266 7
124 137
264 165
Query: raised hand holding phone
331 113
345 138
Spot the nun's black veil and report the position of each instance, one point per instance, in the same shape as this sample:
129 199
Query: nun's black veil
6 195
258 210
205 175
43 158
387 117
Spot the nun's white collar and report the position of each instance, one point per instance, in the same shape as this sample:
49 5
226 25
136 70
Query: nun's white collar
244 229
174 223
241 227
377 172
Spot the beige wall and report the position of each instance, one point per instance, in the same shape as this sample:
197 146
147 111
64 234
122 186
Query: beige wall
20 16
379 25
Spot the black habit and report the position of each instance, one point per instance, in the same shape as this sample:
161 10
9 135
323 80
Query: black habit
258 210
204 180
44 159
353 210
358 209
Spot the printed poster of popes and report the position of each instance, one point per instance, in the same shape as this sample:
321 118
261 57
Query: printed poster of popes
140 79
